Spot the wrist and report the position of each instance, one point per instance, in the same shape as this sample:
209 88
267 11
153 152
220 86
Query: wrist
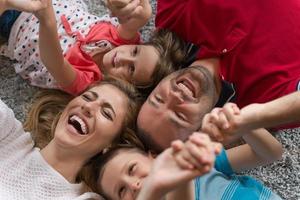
150 190
45 14
252 115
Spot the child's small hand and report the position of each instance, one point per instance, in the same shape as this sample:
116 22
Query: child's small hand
197 153
222 123
125 10
166 172
27 5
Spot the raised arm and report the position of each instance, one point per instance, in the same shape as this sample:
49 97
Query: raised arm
132 15
174 169
277 112
197 153
50 49
261 147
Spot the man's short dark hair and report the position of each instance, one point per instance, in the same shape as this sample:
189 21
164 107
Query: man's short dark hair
148 141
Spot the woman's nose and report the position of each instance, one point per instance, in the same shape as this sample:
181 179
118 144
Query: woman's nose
89 108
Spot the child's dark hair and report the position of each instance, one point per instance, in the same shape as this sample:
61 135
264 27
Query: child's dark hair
172 52
95 168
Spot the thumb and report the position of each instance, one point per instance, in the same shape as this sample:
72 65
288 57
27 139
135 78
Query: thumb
139 10
217 148
177 146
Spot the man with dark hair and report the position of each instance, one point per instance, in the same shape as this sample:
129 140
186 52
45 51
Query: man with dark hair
258 47
177 105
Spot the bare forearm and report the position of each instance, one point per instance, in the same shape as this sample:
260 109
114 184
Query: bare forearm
265 145
50 49
186 191
277 112
261 149
149 191
130 28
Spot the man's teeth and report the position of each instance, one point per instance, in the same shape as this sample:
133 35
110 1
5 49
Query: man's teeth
81 122
185 89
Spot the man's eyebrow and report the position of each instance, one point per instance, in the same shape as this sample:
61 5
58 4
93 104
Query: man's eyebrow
152 103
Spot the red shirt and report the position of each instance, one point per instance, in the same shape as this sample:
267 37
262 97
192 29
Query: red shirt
87 71
258 42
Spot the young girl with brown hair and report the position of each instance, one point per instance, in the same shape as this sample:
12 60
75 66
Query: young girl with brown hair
61 45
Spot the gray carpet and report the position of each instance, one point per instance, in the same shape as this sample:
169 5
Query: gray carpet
283 176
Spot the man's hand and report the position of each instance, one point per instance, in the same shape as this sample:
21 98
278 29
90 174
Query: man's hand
223 124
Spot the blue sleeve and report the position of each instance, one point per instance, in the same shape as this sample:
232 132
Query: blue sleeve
222 164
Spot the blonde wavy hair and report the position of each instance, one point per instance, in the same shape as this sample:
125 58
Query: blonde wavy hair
48 105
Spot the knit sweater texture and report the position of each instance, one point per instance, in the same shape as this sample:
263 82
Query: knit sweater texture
24 174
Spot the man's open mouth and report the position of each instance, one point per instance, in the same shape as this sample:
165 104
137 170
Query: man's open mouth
113 60
79 124
187 87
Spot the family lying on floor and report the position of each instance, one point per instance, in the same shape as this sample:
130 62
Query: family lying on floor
154 120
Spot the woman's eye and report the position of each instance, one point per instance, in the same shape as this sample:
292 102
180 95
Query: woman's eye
106 113
86 97
180 116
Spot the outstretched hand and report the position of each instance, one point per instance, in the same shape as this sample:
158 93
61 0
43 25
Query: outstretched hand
126 10
197 153
169 169
224 124
165 175
25 5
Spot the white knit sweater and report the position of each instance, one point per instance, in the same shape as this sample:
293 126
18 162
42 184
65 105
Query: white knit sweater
24 174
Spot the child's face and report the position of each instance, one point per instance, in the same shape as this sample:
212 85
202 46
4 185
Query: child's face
134 63
124 174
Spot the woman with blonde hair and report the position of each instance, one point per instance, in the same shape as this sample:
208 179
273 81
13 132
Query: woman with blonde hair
90 122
